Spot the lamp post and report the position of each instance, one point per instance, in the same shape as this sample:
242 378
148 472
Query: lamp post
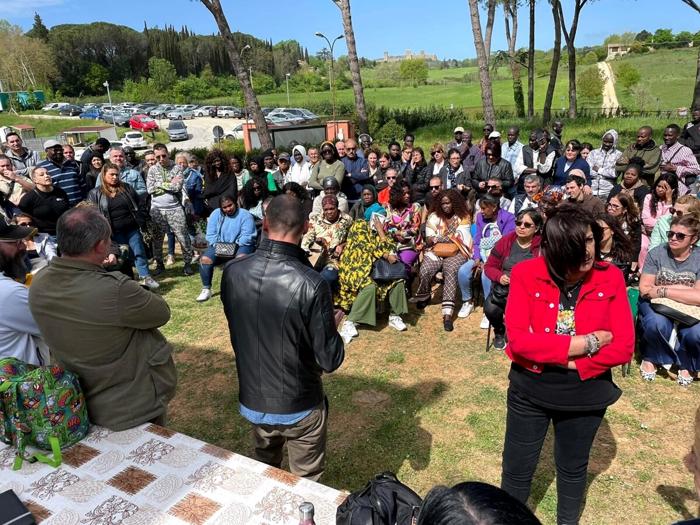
109 98
332 84
287 75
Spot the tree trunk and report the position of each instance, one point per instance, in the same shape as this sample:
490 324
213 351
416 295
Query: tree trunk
531 64
483 61
696 93
511 13
570 37
251 100
354 63
490 16
553 70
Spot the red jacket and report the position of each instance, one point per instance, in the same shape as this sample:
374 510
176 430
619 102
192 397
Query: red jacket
500 252
532 310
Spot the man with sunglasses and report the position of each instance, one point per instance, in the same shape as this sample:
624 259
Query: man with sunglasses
494 186
63 174
356 172
686 204
20 336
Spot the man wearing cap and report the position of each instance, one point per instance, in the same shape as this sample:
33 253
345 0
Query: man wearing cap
20 336
356 172
22 158
63 174
282 174
104 326
330 187
459 143
99 148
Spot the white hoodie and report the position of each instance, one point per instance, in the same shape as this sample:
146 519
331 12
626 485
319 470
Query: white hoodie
300 172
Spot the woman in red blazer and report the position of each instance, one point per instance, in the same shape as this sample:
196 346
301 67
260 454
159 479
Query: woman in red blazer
568 323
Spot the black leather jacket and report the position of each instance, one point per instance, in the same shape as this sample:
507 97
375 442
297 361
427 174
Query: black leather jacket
280 318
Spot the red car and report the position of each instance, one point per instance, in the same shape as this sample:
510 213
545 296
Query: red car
143 123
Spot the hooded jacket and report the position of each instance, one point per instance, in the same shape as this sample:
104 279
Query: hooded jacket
300 172
602 165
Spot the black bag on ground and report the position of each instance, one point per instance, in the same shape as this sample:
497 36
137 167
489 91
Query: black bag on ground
383 501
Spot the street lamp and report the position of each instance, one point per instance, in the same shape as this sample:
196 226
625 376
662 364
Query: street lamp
332 84
287 75
109 97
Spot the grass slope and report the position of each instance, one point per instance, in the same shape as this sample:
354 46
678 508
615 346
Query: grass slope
430 406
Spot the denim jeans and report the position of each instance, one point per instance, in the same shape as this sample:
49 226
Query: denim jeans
654 343
465 276
206 271
137 250
330 275
171 243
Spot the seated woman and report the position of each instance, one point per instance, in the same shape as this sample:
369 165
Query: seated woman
94 170
671 271
328 229
571 159
684 205
359 294
367 205
40 248
417 175
119 203
624 209
228 225
514 247
657 203
46 203
252 197
402 224
448 244
632 183
616 246
492 223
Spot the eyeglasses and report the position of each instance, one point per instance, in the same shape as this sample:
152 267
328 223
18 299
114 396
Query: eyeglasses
391 178
350 149
677 213
493 187
678 235
434 188
524 224
161 156
614 206
572 149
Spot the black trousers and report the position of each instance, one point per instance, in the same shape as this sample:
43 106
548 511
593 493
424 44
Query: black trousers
494 313
526 428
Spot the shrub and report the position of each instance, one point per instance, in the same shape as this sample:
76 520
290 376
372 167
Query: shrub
389 132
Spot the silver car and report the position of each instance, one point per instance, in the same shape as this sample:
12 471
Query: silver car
177 130
179 114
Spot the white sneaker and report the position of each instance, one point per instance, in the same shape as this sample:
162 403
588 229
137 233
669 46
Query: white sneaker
150 282
349 328
397 323
169 261
466 309
484 325
204 295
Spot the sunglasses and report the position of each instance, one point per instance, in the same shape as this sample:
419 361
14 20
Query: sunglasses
677 213
524 224
493 187
678 235
435 188
350 149
391 178
161 156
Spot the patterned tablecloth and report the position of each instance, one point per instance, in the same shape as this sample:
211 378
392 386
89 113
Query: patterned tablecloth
151 475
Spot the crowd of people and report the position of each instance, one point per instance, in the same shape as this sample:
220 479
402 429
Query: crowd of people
550 233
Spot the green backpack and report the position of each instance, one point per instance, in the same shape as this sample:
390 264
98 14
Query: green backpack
40 406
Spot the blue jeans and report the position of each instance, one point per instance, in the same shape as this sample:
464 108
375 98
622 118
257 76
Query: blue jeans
137 250
330 275
465 276
654 343
171 243
206 271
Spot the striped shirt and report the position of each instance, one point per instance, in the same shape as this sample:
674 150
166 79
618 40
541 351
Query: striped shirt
682 158
66 177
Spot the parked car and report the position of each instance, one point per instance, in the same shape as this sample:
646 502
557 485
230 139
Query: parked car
265 111
135 140
143 123
235 134
277 121
71 110
117 117
93 113
54 106
202 111
310 115
177 130
229 112
179 114
284 116
160 111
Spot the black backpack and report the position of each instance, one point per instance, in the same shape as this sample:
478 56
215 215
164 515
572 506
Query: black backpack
383 501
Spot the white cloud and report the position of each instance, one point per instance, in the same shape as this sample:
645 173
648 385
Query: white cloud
25 7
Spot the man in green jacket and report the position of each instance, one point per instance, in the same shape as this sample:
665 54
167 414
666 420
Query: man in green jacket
646 149
104 327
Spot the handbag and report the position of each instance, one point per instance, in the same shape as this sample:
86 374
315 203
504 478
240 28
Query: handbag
445 249
499 294
224 249
684 314
383 271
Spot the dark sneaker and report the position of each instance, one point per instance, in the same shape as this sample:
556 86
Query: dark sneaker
448 324
187 270
160 268
499 342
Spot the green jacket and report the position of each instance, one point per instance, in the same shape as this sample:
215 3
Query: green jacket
651 156
103 326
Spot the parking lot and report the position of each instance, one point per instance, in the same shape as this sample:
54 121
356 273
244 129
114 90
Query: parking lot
200 131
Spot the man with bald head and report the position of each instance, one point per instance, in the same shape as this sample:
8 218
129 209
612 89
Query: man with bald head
284 336
646 149
356 172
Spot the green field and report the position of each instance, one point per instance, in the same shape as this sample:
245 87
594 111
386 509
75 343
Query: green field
668 75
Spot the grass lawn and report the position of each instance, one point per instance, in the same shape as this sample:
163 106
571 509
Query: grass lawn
669 75
430 406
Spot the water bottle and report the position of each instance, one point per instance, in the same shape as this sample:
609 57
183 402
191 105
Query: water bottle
306 514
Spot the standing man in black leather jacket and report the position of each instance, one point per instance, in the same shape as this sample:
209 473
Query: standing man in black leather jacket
284 336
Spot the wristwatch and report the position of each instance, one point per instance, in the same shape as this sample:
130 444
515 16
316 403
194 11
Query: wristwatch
592 345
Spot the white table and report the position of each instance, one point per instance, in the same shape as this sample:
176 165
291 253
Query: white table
151 475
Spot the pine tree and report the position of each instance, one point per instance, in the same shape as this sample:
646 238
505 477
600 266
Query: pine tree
38 30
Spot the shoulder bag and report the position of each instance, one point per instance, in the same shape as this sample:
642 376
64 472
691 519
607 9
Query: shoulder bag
383 271
224 249
684 314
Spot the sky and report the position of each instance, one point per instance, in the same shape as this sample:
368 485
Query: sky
441 27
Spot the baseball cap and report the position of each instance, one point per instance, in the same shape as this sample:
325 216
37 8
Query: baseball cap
458 129
51 144
283 156
495 135
12 232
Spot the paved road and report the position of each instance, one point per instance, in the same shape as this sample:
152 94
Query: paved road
200 131
610 103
